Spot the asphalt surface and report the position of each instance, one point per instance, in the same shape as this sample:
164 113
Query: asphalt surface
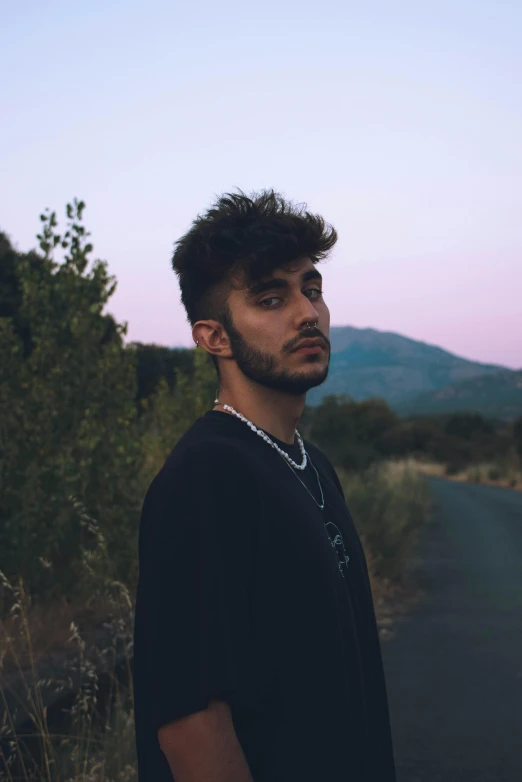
454 665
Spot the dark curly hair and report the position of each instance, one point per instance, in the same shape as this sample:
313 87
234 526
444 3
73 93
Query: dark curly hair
249 236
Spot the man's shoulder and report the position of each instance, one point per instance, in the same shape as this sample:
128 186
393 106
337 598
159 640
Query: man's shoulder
206 450
197 473
201 454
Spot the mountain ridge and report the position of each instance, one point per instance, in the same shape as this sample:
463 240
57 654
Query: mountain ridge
406 373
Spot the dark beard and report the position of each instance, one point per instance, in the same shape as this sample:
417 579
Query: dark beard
259 366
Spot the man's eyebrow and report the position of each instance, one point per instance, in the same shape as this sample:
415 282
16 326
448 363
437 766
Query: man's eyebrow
278 282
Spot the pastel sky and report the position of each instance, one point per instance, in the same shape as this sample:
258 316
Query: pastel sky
400 122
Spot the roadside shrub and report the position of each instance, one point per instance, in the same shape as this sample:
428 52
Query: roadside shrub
390 504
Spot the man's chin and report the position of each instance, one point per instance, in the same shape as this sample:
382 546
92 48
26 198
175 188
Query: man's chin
317 380
295 386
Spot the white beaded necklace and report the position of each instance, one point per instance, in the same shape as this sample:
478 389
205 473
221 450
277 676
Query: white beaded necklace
267 439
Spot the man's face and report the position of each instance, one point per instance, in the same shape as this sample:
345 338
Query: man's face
270 321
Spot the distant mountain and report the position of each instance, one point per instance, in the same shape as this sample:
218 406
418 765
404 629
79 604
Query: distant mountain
414 377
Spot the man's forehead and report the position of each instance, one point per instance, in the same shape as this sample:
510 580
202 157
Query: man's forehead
248 286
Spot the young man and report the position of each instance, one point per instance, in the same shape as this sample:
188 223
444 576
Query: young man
256 651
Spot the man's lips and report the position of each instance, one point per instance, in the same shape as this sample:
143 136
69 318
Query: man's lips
310 343
316 349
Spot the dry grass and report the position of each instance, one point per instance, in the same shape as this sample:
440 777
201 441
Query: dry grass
487 473
49 627
90 751
391 505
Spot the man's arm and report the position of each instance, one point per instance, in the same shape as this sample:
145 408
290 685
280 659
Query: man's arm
203 747
196 577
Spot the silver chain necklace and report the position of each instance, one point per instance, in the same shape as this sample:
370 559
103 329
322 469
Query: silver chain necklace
306 487
286 458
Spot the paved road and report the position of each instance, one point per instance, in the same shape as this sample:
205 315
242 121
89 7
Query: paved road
454 666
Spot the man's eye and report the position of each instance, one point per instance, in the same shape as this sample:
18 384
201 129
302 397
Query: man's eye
316 290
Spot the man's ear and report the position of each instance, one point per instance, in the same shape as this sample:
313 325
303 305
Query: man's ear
211 336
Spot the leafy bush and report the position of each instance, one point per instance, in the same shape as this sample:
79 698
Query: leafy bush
169 413
67 410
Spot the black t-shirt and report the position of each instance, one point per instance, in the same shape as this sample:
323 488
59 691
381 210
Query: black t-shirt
249 593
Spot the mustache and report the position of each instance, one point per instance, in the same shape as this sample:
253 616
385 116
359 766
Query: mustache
311 334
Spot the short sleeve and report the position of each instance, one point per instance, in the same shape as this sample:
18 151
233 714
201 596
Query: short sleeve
196 581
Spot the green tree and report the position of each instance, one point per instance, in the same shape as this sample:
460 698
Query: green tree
468 426
154 362
168 413
68 414
347 430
